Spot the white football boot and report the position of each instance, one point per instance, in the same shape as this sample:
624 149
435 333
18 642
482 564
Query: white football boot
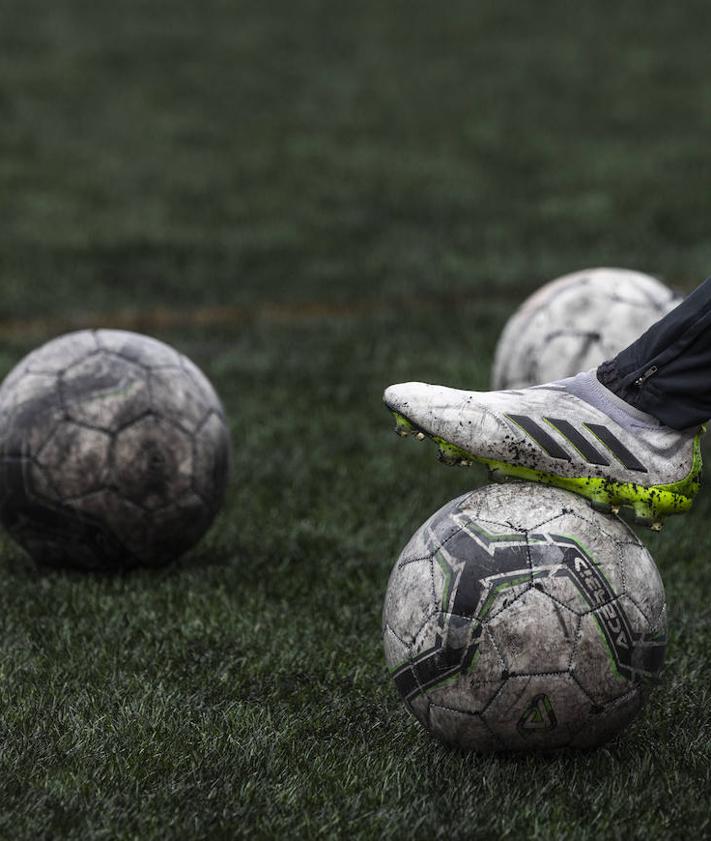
573 433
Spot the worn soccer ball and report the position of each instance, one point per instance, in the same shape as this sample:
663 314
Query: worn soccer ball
517 618
114 452
576 322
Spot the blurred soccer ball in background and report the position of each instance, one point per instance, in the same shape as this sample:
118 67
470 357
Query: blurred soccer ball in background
518 618
576 322
114 451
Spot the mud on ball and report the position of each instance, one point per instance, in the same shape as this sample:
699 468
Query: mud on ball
576 322
114 452
517 618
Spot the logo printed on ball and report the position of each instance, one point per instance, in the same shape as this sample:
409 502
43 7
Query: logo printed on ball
537 717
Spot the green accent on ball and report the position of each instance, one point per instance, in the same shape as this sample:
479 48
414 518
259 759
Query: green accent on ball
496 591
537 717
447 572
474 661
614 671
399 665
447 681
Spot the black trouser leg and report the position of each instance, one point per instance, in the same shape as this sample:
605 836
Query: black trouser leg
667 371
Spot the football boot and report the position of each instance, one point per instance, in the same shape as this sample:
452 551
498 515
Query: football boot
574 434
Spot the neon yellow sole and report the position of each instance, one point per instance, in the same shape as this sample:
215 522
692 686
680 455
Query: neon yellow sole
649 504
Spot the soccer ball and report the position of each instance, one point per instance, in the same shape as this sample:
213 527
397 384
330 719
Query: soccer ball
518 618
114 452
576 322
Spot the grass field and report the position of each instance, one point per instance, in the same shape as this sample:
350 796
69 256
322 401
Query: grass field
314 200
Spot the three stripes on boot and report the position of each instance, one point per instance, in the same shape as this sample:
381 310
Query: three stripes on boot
576 439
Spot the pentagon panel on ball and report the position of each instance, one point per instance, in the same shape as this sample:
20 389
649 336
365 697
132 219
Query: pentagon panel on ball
517 618
114 452
574 323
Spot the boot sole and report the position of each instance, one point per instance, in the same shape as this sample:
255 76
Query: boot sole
645 506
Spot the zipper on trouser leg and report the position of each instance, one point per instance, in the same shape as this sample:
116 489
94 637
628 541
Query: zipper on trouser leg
650 372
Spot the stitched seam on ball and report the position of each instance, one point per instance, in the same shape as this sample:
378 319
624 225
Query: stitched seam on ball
521 675
637 605
504 664
431 553
583 689
562 604
389 627
433 612
439 706
513 601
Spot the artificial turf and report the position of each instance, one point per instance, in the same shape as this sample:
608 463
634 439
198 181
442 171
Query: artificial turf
314 200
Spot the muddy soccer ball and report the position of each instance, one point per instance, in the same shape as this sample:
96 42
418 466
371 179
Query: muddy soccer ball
517 618
114 452
576 322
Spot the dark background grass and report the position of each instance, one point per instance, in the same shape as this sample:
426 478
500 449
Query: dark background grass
314 200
